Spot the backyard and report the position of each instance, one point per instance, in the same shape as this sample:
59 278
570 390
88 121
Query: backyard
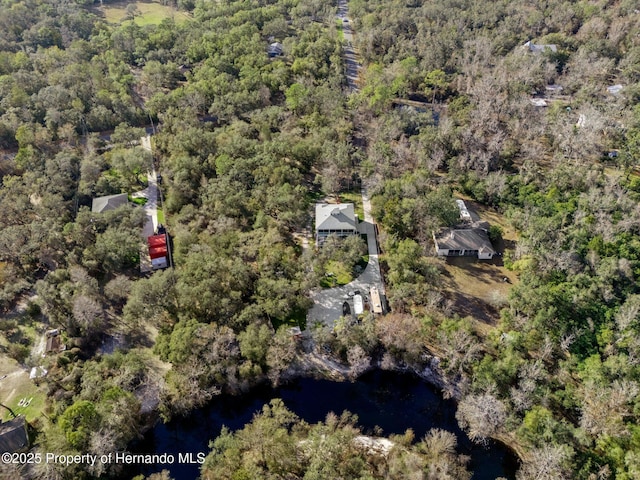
479 288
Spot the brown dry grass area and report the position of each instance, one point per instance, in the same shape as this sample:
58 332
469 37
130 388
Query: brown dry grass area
477 287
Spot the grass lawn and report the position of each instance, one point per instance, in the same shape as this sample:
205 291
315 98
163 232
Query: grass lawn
340 32
160 216
340 275
16 386
149 13
354 197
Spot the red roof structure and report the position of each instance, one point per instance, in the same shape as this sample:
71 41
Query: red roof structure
157 240
157 246
157 252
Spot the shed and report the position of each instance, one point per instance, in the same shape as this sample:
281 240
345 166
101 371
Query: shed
615 89
540 48
54 342
275 50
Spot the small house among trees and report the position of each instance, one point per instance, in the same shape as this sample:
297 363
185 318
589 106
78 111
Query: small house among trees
464 242
275 50
539 48
54 343
110 202
337 220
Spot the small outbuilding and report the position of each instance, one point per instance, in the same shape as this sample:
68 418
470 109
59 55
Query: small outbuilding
615 89
275 50
540 48
54 342
110 202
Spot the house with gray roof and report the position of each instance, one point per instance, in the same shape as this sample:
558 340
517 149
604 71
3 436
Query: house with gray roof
337 220
540 48
110 202
472 241
275 50
13 435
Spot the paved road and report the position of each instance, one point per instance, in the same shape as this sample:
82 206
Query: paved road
327 303
151 208
151 194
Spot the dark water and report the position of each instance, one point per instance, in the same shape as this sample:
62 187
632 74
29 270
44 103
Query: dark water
392 401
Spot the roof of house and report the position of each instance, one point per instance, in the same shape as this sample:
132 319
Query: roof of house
110 202
554 88
13 435
157 240
53 344
275 48
535 48
615 89
464 239
157 246
335 217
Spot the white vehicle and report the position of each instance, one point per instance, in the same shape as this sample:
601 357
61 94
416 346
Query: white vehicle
358 304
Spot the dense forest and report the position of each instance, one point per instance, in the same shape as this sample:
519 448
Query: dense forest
451 103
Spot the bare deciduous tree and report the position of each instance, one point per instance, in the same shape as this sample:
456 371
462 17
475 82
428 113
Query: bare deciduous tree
550 462
481 416
358 360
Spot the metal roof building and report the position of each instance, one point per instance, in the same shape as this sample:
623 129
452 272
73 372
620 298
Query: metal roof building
467 242
110 202
337 220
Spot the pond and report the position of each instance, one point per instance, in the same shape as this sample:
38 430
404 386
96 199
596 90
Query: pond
390 400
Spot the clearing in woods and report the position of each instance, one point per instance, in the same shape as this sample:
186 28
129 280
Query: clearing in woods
478 287
146 12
